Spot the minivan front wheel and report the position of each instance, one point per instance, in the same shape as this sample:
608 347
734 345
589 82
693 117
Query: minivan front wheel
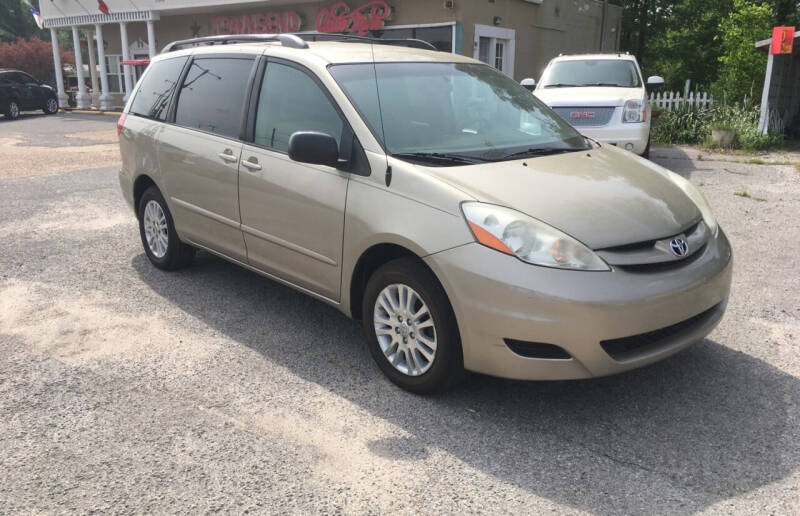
410 328
159 239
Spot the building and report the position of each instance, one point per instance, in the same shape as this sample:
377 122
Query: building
518 37
780 100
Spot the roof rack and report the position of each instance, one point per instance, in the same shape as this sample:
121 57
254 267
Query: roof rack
286 40
335 36
295 40
604 52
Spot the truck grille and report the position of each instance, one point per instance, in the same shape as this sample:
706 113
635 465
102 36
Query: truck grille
585 116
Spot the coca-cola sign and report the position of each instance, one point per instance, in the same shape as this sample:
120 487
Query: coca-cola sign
340 18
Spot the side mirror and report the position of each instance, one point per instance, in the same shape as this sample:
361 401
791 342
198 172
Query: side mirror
654 81
315 148
528 83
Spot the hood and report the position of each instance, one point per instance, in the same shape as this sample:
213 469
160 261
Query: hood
603 197
588 96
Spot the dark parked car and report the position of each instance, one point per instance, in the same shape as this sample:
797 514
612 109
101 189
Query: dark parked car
19 91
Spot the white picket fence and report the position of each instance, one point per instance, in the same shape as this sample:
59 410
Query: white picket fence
672 99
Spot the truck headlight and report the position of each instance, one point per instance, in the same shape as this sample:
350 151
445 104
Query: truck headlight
634 111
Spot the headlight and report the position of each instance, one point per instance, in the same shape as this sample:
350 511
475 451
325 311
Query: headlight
530 240
699 200
634 111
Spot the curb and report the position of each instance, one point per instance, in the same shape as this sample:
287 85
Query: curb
90 112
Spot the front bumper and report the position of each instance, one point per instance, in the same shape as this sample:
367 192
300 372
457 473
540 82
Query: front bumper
497 297
635 135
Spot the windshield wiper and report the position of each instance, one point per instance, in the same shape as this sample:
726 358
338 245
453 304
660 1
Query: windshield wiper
609 84
440 157
561 85
545 151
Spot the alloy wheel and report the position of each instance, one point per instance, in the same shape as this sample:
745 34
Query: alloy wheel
52 105
156 231
13 110
405 329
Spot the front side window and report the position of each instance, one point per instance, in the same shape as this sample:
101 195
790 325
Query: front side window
290 101
467 109
212 95
152 98
619 73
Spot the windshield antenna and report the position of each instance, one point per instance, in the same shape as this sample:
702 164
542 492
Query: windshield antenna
388 178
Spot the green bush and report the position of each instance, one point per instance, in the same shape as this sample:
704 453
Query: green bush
689 125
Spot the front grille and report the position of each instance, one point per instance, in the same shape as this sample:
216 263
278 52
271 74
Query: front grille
537 349
650 268
585 116
631 347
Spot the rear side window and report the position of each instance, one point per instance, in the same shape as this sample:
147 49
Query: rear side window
291 101
152 99
212 95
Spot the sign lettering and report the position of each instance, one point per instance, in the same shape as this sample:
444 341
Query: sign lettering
260 23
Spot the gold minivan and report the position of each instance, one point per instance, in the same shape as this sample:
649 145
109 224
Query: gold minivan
426 194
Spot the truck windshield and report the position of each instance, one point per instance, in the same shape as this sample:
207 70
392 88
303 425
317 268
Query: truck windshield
620 73
457 112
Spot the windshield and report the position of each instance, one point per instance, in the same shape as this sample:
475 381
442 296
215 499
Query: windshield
453 110
621 73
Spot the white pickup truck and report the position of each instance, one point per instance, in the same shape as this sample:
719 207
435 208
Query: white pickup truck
601 95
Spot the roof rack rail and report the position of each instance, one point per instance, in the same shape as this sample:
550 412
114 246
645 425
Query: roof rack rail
287 40
336 36
295 40
604 52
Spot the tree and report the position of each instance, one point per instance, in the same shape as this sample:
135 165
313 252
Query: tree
33 56
16 21
741 66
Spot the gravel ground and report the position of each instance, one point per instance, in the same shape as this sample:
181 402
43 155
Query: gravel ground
127 389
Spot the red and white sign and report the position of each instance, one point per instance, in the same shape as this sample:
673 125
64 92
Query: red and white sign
782 40
340 18
259 23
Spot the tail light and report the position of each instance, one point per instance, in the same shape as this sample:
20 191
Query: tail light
121 123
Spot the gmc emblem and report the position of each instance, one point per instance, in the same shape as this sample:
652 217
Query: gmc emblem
582 114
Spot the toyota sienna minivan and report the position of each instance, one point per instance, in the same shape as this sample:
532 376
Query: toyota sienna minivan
426 194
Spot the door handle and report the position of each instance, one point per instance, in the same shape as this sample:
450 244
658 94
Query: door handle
251 163
227 155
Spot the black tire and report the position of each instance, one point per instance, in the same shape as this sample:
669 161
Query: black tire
646 153
50 106
177 253
12 110
447 367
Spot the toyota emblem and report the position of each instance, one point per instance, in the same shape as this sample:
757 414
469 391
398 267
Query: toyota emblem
679 247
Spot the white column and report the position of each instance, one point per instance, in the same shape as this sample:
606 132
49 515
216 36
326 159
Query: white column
82 99
763 121
62 96
105 97
92 68
151 39
123 34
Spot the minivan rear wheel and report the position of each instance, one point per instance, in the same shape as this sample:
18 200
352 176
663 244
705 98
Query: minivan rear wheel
159 239
410 328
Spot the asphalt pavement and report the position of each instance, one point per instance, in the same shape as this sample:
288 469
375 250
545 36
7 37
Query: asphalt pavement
124 388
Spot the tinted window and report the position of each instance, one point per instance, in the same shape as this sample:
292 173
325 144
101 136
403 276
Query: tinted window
157 86
291 101
212 95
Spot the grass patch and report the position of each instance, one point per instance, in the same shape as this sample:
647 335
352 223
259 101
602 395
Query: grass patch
756 161
797 166
746 195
